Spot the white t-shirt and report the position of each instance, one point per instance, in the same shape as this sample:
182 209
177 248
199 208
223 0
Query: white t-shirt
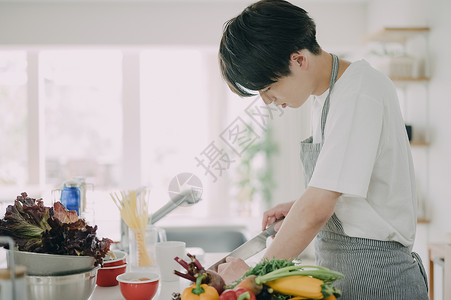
366 157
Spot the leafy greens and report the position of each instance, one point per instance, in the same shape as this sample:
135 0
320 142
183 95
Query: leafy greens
52 230
264 267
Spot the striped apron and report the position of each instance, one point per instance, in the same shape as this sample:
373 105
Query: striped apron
374 270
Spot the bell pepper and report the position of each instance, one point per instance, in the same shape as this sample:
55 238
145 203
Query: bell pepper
237 294
200 291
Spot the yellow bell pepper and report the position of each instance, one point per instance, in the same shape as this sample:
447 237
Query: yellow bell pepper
200 291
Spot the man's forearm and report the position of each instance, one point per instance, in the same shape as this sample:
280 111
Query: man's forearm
306 218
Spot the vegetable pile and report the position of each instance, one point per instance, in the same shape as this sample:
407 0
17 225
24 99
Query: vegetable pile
275 279
52 230
195 270
293 282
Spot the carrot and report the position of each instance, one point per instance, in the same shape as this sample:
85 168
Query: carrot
250 284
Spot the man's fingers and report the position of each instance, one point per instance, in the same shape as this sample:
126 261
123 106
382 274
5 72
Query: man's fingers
230 258
265 217
232 269
264 221
268 220
222 267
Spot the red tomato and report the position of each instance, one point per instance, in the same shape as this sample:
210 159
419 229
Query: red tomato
228 295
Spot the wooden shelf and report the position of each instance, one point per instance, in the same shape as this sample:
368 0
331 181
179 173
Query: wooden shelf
419 143
396 34
410 79
423 221
440 251
401 36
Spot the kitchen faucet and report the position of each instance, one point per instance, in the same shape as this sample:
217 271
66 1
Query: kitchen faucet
185 198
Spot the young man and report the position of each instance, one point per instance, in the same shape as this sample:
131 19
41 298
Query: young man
360 199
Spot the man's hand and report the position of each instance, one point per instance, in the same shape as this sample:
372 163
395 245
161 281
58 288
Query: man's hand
305 218
232 269
277 212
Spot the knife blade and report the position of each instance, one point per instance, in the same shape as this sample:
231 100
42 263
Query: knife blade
249 248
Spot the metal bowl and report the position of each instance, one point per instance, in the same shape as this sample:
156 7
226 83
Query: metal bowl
79 286
41 264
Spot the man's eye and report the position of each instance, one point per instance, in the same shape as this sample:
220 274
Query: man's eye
265 90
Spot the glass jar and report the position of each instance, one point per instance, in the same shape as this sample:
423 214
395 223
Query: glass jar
144 247
6 284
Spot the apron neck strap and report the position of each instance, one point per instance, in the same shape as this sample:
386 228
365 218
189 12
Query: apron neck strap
333 78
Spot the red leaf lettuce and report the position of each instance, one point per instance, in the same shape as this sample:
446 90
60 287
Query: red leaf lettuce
53 230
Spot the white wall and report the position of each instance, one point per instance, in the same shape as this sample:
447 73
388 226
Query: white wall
117 23
140 23
440 109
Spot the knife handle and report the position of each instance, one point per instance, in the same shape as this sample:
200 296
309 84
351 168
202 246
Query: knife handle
270 231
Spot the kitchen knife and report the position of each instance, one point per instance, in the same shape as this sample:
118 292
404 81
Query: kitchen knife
249 248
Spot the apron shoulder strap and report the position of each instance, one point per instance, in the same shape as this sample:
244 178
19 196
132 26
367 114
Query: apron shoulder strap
333 78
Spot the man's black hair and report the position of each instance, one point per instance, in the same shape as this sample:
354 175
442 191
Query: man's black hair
256 45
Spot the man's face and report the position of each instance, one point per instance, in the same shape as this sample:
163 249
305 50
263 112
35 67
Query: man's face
291 90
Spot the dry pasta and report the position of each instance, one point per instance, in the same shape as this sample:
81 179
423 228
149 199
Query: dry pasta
133 208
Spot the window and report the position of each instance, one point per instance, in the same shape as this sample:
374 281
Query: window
175 122
83 123
172 100
13 118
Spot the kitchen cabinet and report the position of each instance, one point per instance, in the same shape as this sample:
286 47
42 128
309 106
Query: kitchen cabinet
402 54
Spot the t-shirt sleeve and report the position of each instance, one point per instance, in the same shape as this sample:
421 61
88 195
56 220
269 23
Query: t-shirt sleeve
351 142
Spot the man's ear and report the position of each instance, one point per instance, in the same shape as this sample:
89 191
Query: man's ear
299 58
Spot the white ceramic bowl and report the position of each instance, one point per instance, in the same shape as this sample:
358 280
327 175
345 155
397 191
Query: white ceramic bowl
121 258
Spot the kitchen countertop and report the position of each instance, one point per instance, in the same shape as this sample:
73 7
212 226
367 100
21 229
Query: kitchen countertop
166 288
165 291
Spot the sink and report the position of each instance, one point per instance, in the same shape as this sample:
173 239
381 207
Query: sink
210 239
